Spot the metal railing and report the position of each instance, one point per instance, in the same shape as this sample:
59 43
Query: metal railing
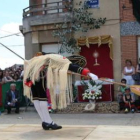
47 8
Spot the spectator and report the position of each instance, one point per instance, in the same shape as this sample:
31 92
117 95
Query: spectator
1 77
128 71
16 78
121 90
17 72
129 101
12 99
13 75
7 78
137 103
138 72
21 75
21 68
4 73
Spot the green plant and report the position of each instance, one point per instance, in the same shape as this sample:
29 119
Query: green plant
80 19
92 90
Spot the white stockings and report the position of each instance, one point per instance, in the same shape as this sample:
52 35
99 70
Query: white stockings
42 110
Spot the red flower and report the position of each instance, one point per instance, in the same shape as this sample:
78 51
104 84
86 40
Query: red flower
92 92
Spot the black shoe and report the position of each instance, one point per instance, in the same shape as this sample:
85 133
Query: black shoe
55 126
47 126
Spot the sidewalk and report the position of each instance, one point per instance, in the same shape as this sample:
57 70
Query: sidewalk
35 132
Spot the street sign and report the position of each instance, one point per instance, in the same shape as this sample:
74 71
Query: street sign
92 3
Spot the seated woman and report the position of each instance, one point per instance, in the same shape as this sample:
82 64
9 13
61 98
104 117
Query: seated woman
128 71
129 101
121 91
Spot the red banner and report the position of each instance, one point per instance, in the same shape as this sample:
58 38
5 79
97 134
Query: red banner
105 67
101 65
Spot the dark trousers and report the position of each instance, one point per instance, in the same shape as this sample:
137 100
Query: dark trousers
138 104
10 107
121 105
130 105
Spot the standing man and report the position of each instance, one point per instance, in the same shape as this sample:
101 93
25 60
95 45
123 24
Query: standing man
55 75
12 99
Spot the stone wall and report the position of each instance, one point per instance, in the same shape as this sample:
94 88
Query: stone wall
103 107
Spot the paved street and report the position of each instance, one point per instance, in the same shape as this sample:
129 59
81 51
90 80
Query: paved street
26 126
88 126
31 117
34 132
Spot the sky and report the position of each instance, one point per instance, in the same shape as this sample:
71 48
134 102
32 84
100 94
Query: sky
10 18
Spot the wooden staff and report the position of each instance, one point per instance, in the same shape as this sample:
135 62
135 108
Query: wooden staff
118 83
134 88
73 73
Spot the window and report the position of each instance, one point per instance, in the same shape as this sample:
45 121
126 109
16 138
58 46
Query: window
51 48
54 3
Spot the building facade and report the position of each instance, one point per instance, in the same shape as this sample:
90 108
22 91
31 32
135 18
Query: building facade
38 24
130 33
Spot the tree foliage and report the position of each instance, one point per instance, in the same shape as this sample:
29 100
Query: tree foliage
80 19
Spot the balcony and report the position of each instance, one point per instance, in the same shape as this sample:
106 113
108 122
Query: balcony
49 13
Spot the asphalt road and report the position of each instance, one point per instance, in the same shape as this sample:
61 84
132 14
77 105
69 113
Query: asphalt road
31 117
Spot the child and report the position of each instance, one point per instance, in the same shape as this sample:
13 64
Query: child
121 90
129 100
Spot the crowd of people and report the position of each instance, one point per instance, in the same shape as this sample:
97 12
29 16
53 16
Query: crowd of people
128 101
11 74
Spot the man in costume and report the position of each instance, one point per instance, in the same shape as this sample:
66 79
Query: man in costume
50 71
